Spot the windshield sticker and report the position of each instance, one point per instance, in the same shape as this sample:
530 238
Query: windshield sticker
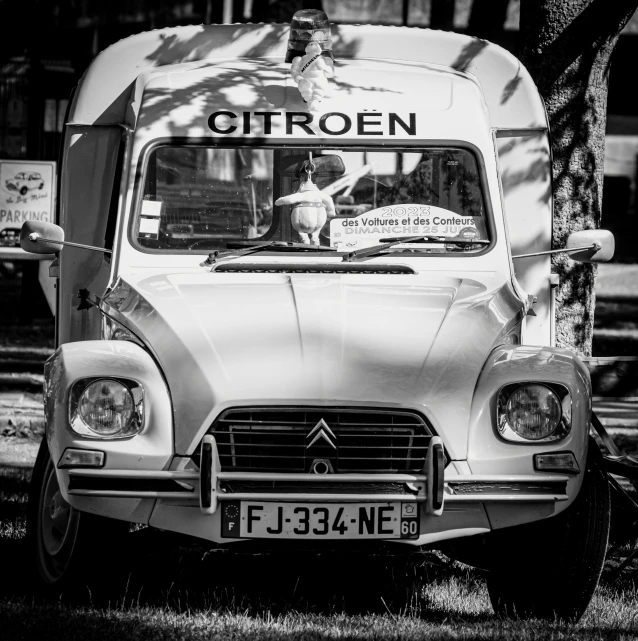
150 219
149 227
396 221
151 208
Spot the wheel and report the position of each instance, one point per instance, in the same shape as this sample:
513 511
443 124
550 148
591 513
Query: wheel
23 190
550 569
64 543
41 185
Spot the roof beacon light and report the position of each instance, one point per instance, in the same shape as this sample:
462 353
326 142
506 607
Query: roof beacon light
310 51
307 25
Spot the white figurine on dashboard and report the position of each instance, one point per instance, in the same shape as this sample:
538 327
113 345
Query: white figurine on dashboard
311 209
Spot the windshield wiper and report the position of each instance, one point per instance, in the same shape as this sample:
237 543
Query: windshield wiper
366 252
245 248
440 239
278 245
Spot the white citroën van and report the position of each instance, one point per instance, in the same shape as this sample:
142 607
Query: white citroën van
386 376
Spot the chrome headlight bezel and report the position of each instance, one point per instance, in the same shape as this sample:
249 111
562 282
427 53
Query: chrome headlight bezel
563 425
133 427
113 330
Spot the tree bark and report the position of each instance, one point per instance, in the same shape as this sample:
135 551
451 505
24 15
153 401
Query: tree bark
567 48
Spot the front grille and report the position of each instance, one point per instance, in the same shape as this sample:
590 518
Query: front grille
295 439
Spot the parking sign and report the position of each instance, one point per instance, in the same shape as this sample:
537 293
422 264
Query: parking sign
27 192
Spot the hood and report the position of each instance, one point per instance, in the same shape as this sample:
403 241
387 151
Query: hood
240 339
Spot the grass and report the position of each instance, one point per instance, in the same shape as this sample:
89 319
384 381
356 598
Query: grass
14 482
457 611
164 587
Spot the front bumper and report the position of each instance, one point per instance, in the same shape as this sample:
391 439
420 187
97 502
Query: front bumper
188 500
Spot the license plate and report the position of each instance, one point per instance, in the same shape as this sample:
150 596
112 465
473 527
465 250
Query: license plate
259 520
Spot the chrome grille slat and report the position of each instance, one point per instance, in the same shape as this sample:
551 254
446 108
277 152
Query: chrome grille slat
384 438
343 458
295 424
278 439
384 446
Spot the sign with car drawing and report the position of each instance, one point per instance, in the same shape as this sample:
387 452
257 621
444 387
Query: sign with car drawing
27 192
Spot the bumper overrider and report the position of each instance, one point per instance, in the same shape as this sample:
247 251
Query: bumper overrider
141 479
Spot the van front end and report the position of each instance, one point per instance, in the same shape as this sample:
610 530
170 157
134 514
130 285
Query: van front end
302 317
301 468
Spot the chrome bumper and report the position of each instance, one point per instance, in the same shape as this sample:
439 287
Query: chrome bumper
205 487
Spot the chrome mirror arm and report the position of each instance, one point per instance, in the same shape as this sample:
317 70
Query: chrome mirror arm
571 250
36 238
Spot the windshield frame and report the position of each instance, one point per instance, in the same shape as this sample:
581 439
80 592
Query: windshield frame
328 144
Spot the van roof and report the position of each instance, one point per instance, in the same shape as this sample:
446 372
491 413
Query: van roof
107 89
368 100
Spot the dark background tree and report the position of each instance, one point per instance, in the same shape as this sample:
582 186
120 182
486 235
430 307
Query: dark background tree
487 18
442 14
567 48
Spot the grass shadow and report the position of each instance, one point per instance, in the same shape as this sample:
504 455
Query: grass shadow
154 569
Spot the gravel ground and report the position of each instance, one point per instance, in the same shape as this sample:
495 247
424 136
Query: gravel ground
18 452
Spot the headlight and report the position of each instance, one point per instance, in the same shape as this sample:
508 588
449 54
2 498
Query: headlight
106 408
533 412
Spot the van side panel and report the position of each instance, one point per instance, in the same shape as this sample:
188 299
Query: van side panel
88 173
525 171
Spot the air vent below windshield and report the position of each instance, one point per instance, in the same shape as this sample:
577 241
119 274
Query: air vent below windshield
313 268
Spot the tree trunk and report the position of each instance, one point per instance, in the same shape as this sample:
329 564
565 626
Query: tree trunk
567 48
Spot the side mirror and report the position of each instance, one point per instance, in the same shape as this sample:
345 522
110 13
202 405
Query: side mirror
601 238
35 234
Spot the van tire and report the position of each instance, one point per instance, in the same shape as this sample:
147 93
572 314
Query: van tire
64 559
23 191
549 569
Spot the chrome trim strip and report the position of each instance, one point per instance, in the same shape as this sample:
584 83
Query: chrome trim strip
508 478
338 498
505 498
329 478
150 475
115 494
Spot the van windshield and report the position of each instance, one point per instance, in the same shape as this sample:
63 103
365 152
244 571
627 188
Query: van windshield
196 199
